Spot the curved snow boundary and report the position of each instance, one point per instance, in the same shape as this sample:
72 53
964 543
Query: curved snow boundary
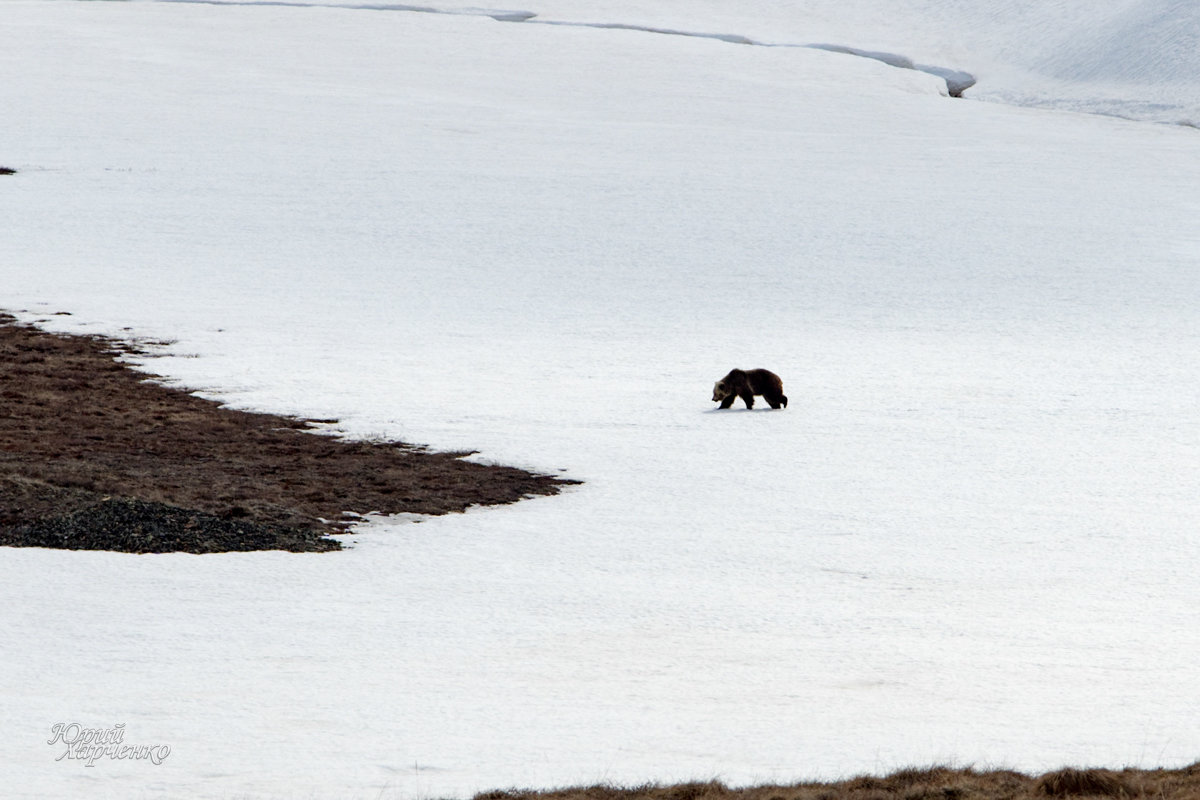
957 81
496 14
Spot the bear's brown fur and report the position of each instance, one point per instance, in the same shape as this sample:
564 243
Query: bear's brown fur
747 383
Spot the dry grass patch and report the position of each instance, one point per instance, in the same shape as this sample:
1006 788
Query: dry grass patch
1087 783
94 456
928 783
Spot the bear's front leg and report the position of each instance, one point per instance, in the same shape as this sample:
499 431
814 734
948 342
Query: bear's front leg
749 398
728 401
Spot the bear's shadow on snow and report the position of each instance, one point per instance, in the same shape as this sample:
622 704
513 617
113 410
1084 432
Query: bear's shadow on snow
755 410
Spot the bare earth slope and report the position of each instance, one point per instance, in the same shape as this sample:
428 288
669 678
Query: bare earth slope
94 456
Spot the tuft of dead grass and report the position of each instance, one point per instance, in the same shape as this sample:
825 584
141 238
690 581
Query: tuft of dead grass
1085 783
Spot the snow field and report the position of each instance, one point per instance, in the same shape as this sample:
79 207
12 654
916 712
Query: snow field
968 538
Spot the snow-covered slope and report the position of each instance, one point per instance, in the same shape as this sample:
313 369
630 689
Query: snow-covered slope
1133 58
969 538
1138 59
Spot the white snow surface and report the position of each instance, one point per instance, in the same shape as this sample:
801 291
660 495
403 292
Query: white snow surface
970 538
1138 59
1132 58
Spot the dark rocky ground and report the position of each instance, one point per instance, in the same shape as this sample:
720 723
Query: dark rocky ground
93 456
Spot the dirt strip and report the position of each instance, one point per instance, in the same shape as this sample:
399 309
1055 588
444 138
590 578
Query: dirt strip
94 456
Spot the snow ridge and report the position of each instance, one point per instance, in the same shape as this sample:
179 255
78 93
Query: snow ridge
957 81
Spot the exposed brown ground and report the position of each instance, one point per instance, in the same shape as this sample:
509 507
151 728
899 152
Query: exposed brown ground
94 456
935 783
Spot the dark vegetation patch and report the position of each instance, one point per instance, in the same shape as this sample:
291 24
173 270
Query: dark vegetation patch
932 783
94 456
7 171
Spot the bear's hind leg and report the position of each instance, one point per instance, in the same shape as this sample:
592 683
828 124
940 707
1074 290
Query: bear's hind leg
748 398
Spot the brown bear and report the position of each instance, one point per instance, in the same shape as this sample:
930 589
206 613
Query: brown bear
747 383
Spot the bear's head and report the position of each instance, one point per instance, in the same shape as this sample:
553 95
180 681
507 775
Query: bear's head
720 391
